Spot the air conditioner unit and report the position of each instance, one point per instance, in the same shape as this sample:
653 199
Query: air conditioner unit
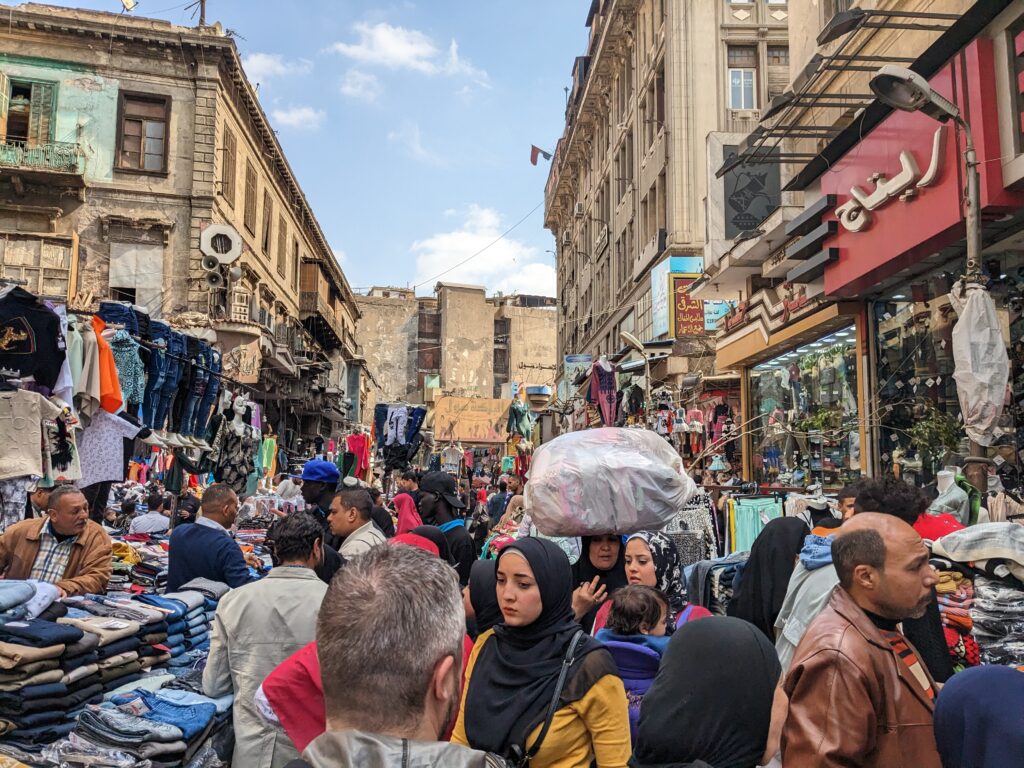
567 237
578 210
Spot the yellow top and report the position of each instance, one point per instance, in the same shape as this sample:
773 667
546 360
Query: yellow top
595 727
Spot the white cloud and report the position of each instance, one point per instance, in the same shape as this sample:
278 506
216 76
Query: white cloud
301 118
397 48
260 67
508 265
410 139
361 85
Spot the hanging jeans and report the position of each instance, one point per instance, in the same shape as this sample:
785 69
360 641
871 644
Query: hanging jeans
121 314
197 391
176 416
380 419
157 370
205 410
172 376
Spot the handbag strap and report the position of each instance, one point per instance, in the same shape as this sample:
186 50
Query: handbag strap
553 706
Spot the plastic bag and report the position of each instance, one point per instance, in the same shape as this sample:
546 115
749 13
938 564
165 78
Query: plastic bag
607 480
982 365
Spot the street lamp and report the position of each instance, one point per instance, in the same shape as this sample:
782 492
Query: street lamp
907 91
634 343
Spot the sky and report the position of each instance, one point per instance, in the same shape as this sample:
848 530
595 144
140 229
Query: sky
409 125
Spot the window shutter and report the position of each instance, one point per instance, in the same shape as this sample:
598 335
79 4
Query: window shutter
41 110
5 104
778 79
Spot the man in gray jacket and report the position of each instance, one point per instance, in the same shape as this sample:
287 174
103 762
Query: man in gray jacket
258 626
389 641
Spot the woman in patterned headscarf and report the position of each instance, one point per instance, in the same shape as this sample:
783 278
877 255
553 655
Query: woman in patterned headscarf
653 561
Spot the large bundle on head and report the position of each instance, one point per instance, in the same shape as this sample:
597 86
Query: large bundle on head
606 481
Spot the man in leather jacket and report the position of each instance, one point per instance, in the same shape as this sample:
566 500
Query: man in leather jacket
858 695
389 642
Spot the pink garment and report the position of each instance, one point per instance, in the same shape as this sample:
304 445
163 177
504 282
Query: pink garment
359 445
408 515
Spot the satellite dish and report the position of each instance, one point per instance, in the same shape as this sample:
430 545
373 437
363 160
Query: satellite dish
222 242
128 5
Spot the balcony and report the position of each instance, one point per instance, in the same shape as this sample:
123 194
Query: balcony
320 320
57 162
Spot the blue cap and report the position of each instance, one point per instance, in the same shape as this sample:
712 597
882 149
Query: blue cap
319 471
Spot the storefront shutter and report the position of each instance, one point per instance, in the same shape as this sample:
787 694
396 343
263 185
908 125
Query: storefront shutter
40 113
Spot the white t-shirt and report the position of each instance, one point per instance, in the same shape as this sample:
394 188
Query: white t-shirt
288 490
21 432
151 522
101 448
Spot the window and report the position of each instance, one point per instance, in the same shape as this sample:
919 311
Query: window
28 109
136 274
268 222
295 262
44 265
778 69
778 54
142 140
227 168
250 197
501 367
282 245
742 77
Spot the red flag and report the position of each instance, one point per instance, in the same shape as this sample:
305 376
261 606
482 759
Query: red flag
535 151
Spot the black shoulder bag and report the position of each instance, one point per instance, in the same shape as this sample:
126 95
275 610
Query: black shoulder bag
518 758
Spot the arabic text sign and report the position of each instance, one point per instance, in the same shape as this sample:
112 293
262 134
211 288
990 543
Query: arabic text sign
660 311
687 312
471 420
899 189
243 362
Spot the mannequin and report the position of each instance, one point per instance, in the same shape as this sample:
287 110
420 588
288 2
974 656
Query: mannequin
234 457
943 480
952 499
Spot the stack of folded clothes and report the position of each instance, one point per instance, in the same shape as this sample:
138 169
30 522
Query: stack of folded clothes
149 726
173 645
197 626
998 614
213 591
956 598
117 653
36 706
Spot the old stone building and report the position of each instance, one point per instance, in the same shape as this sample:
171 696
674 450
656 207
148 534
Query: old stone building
627 188
458 341
123 139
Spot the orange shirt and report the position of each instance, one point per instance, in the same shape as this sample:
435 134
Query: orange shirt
110 386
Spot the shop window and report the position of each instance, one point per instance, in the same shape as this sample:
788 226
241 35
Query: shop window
742 76
250 197
227 168
142 137
919 428
804 417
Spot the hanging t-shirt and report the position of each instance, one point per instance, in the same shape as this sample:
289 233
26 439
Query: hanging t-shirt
21 432
60 453
451 459
31 342
101 448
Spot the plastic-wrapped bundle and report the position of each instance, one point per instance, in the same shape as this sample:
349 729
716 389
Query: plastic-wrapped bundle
608 480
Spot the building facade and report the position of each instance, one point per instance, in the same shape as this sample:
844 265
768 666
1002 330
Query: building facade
458 342
627 187
847 295
123 139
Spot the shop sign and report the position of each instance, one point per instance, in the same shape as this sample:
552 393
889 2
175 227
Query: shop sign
891 214
660 309
471 420
687 312
715 310
243 362
573 366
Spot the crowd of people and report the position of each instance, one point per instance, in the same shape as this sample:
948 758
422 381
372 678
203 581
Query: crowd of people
439 627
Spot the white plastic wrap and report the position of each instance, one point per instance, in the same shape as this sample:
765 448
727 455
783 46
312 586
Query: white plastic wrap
982 366
608 480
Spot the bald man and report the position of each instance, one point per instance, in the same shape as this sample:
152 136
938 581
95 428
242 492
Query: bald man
858 696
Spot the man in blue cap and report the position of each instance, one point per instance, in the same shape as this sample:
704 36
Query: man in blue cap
319 484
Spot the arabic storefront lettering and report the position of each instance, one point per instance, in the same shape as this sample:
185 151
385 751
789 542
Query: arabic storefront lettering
855 214
687 312
243 362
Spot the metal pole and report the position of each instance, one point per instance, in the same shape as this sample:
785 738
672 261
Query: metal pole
975 464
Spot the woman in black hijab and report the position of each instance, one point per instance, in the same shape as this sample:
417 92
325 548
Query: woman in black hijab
709 715
513 671
434 534
481 597
766 575
603 559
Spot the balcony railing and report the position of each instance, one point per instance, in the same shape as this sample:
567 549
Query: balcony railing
61 156
312 303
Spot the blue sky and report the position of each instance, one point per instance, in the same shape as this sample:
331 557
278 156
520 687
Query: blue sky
409 124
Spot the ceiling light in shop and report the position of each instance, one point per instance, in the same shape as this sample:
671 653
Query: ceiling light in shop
898 296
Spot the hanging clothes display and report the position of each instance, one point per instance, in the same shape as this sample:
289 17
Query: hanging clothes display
101 448
398 419
130 371
31 342
359 445
519 420
235 454
451 459
268 455
21 432
602 391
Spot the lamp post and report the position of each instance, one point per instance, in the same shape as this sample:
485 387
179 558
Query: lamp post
902 89
634 343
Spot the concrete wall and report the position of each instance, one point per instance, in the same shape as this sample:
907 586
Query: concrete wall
387 333
467 341
532 344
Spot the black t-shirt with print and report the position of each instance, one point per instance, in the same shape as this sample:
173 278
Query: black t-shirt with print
31 342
